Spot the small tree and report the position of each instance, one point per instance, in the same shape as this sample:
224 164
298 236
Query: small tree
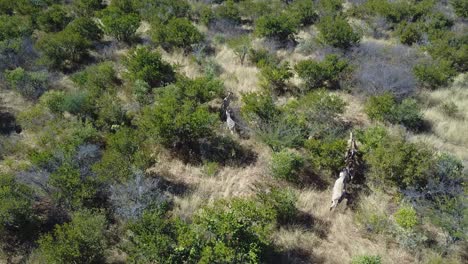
241 47
327 154
304 11
120 25
178 32
80 241
280 27
144 64
54 19
276 76
64 49
324 73
229 11
86 27
336 31
286 165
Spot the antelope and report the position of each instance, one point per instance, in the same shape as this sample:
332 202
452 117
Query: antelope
339 189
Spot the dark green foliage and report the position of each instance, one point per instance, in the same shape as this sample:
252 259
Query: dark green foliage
409 33
178 33
162 10
29 84
153 239
394 161
63 50
180 116
286 165
460 7
324 73
366 259
280 27
54 19
80 241
259 107
327 154
434 74
304 11
146 65
12 27
330 7
86 27
125 153
120 25
235 231
385 108
16 214
275 76
282 201
336 31
72 189
228 11
87 7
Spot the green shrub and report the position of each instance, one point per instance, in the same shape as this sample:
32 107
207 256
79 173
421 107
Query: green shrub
259 106
180 116
282 201
80 241
72 189
12 27
434 74
63 50
409 33
86 27
286 165
366 259
228 11
406 217
274 77
336 31
280 27
162 10
178 32
54 19
325 73
29 84
397 162
385 108
120 25
304 11
460 7
262 57
330 7
327 154
241 47
15 207
87 7
236 231
146 65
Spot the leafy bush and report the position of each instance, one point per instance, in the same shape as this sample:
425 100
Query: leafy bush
29 84
12 27
280 27
460 7
286 165
87 7
327 154
162 10
406 217
397 162
228 11
275 76
336 31
366 259
54 19
434 74
80 241
232 231
178 32
16 213
180 116
259 106
385 108
63 50
86 27
304 11
120 25
146 65
282 201
409 33
324 73
262 57
241 47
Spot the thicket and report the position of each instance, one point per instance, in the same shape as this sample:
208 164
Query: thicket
326 73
